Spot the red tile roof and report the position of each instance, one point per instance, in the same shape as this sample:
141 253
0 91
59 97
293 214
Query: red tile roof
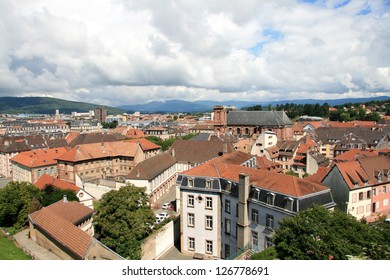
355 154
135 133
228 167
353 174
37 158
46 179
99 150
64 232
72 211
146 145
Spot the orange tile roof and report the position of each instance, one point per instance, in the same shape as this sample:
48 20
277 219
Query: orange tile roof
355 154
71 211
62 231
135 133
228 167
46 179
353 174
319 175
99 150
146 145
37 158
71 136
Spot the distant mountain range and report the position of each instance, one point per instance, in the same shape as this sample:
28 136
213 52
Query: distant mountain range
181 106
47 105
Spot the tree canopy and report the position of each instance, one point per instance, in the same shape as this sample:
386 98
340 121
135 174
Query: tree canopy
52 194
17 200
319 234
123 220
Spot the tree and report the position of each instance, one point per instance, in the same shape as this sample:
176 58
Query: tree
17 201
123 220
320 234
52 194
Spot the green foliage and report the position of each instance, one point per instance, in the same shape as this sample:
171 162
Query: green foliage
110 125
123 220
46 105
51 194
9 251
320 234
267 254
166 144
17 200
292 173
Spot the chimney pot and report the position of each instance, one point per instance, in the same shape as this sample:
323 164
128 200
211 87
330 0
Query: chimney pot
65 198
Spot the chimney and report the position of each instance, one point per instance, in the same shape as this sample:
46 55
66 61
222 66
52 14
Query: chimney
173 152
65 198
242 220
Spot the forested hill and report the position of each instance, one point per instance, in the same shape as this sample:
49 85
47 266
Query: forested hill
47 105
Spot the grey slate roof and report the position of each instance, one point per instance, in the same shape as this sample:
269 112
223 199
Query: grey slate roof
152 167
258 118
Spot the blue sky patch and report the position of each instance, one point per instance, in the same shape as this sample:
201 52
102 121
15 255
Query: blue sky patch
342 4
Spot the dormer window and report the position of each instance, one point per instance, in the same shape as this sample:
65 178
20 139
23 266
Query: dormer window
208 184
288 203
256 194
270 198
191 182
228 186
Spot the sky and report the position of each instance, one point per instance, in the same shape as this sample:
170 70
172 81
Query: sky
120 52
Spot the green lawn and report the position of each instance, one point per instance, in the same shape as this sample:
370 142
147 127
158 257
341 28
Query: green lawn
9 251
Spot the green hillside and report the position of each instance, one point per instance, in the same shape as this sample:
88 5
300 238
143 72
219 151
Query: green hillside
46 105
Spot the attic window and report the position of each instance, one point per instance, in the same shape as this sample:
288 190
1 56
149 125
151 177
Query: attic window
191 182
288 204
208 184
270 198
228 186
256 194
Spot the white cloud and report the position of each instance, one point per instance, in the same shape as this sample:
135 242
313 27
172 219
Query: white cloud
118 52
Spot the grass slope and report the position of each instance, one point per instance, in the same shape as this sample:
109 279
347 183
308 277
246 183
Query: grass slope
46 105
9 251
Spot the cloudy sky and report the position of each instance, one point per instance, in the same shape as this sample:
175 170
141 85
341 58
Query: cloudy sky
117 52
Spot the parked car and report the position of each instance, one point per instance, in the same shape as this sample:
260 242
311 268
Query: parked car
166 206
163 214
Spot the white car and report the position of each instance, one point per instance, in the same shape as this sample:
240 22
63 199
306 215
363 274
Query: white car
163 214
161 217
166 206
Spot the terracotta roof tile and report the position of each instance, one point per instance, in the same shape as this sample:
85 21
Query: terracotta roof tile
228 167
64 232
37 158
355 154
146 145
99 150
72 211
46 179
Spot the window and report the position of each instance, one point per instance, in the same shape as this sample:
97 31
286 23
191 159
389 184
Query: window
190 201
255 216
270 198
368 194
191 243
227 206
209 202
209 247
256 194
255 238
227 251
360 196
236 209
354 198
191 219
268 242
209 222
269 222
191 183
208 184
384 189
227 226
288 204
